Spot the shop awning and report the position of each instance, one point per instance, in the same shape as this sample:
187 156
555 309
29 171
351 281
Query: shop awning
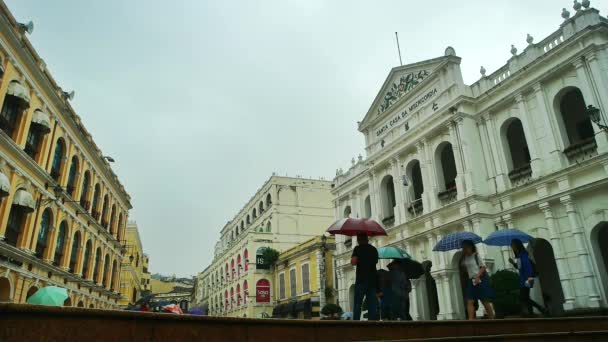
18 90
5 185
42 119
24 199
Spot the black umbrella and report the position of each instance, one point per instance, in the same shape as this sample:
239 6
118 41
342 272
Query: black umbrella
411 268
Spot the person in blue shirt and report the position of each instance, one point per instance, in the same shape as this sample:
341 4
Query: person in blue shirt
526 271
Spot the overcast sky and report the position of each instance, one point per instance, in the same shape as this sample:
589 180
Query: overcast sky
200 101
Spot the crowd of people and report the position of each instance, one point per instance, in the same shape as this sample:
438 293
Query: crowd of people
386 292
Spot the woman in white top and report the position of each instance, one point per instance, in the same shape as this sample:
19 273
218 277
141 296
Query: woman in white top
478 284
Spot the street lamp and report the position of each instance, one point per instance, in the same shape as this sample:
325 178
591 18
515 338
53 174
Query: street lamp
595 116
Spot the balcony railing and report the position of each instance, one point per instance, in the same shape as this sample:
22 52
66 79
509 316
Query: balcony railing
521 173
582 149
415 208
448 196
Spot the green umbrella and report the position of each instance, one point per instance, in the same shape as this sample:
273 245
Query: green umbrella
50 295
390 252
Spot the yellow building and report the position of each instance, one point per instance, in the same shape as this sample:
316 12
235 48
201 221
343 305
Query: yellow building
134 269
304 275
63 210
174 290
284 213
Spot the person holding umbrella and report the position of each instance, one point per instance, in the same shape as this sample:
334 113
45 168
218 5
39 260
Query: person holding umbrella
478 285
523 264
365 258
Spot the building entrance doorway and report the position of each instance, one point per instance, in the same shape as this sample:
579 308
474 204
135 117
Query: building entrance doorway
550 284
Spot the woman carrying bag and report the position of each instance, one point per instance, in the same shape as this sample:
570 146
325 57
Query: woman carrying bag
477 286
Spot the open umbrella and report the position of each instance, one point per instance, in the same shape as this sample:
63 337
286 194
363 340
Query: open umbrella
172 308
454 241
196 311
504 237
412 268
390 252
353 227
50 295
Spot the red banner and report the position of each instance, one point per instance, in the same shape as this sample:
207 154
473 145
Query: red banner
262 291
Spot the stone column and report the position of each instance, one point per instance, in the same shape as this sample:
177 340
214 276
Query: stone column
560 259
67 245
506 250
472 155
594 299
321 277
373 196
426 174
414 312
398 186
601 137
553 141
51 239
497 152
601 80
460 186
432 176
529 133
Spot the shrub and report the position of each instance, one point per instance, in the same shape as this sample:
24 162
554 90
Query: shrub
506 285
270 256
332 310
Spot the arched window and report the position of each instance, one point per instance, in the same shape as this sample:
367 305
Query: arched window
58 159
387 187
84 193
119 229
242 225
232 268
15 103
254 214
245 292
517 152
238 294
86 260
23 204
368 207
114 276
112 215
239 265
231 297
72 176
39 127
248 220
104 212
246 259
446 167
576 122
416 188
74 252
106 270
61 233
43 231
268 201
261 207
97 265
347 211
227 273
96 195
268 227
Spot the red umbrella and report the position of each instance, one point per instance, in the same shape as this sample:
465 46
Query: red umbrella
173 308
353 227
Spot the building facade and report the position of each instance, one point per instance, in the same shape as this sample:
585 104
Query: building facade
518 148
283 213
175 290
305 278
134 275
63 210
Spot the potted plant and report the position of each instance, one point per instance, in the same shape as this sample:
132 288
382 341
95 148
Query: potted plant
506 285
331 311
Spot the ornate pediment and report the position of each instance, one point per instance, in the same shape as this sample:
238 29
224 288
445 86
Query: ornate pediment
402 85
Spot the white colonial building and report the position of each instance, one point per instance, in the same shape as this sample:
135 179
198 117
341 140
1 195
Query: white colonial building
518 148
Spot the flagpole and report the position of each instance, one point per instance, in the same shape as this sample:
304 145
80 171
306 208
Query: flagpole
398 48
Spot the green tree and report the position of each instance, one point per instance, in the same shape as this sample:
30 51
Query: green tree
270 256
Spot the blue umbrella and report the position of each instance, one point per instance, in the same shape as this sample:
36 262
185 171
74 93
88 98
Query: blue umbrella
504 237
454 241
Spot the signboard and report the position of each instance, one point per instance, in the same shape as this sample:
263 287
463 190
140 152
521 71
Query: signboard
260 263
395 120
262 291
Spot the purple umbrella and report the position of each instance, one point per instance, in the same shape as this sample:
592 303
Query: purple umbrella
196 311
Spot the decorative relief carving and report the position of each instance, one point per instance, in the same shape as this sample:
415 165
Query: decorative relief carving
406 83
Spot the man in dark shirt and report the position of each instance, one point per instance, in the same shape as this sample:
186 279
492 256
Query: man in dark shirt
365 258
